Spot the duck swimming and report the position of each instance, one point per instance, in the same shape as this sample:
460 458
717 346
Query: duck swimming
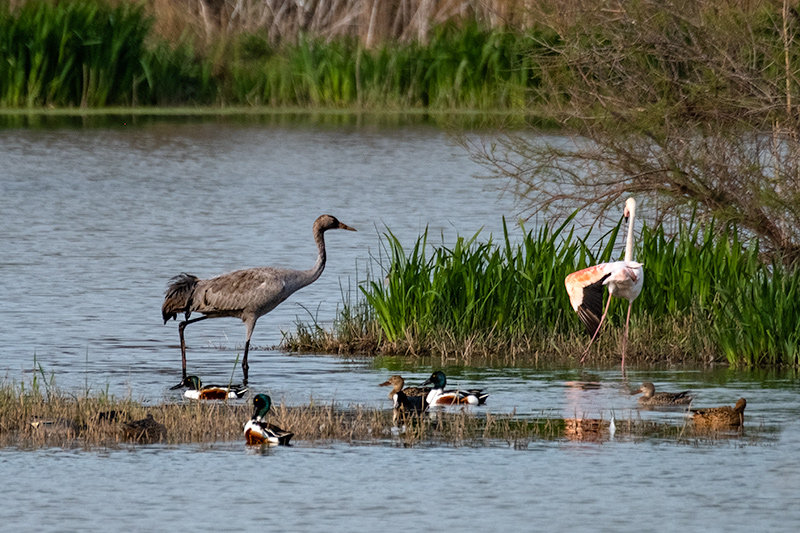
439 396
652 398
410 399
209 392
257 431
720 417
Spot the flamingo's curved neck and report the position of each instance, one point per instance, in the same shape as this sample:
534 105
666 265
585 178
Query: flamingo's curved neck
629 244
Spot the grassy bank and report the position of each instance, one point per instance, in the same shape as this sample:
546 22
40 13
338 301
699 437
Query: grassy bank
31 419
707 297
91 53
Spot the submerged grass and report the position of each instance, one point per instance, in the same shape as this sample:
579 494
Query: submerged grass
707 297
85 421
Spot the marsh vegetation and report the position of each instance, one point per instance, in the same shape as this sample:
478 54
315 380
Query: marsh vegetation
708 296
30 418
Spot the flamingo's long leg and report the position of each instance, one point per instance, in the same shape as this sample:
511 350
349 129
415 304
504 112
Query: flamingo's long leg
625 335
600 325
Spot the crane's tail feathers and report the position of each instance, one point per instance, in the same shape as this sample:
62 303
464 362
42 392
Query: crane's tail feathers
178 296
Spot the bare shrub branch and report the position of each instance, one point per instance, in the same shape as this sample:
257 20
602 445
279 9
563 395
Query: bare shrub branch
688 104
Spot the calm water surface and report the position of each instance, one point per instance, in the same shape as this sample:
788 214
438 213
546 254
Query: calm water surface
94 221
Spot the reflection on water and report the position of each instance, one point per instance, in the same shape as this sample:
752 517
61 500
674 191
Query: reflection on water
94 221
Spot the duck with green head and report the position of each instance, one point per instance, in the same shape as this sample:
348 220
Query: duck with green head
258 432
439 396
196 390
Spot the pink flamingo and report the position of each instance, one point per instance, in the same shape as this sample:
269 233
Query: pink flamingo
624 280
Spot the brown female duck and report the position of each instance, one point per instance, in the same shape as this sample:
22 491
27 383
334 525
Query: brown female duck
652 398
408 399
720 417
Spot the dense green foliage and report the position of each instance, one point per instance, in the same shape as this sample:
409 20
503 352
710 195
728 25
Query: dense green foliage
87 53
90 54
458 67
749 309
70 53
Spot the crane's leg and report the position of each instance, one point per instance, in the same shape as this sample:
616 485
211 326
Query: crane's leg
625 335
181 327
245 366
600 325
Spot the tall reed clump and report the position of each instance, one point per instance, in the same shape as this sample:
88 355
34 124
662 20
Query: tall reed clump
458 67
703 286
89 53
71 53
509 289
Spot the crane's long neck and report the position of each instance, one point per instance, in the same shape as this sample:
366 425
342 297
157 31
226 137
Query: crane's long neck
311 275
629 243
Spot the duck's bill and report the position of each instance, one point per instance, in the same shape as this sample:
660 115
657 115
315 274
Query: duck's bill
384 384
180 385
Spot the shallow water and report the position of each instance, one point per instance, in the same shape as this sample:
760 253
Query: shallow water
94 221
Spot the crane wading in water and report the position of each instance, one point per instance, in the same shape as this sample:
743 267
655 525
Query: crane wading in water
246 294
624 279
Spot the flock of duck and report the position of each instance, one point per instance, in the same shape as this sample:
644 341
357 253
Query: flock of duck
407 401
432 392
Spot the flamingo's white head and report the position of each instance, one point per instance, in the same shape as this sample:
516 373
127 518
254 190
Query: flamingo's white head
630 208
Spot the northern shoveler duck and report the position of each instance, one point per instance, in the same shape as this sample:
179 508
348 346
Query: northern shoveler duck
256 431
209 392
652 398
413 399
720 417
145 430
439 396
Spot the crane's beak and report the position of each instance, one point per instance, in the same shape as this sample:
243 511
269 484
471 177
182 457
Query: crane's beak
345 226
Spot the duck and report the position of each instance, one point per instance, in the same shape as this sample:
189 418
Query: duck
652 398
720 417
410 399
145 430
439 396
54 426
209 392
258 432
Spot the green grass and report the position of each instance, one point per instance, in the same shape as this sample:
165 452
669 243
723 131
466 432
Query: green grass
704 288
70 53
90 54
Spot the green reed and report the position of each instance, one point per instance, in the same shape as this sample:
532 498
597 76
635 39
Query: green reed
473 286
70 53
91 54
458 67
703 279
759 323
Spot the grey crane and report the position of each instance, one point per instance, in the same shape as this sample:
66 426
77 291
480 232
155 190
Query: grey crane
245 294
